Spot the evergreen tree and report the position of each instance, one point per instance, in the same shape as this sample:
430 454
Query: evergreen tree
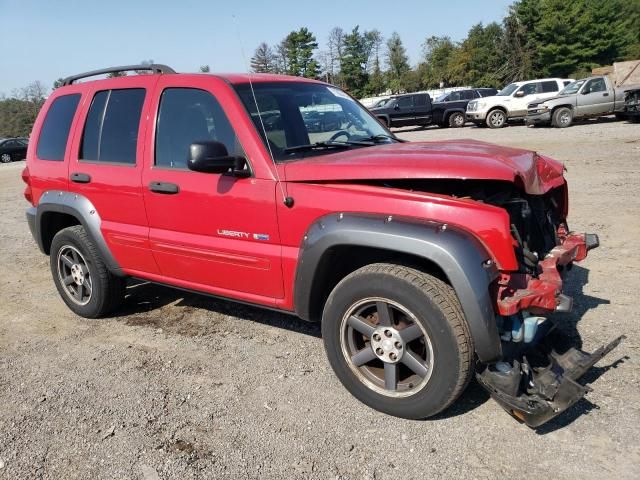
397 62
353 67
263 60
299 46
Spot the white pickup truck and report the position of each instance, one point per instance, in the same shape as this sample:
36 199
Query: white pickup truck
588 97
511 102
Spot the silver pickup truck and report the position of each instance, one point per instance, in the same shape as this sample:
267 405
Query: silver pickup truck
588 97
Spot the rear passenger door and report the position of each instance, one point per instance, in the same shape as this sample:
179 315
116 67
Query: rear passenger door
106 165
422 113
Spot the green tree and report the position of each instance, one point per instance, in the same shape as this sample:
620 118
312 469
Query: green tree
479 59
436 71
299 46
397 62
353 67
263 60
205 69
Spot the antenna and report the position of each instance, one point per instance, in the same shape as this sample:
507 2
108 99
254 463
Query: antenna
288 201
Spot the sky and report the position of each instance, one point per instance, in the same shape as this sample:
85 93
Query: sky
48 39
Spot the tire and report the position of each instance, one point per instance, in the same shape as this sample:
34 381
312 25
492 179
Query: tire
457 120
90 290
5 158
419 304
562 117
496 119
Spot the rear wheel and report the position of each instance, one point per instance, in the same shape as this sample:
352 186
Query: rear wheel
456 120
397 340
496 119
562 117
81 277
5 158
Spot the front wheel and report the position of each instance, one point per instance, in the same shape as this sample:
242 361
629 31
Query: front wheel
5 158
397 340
562 117
496 119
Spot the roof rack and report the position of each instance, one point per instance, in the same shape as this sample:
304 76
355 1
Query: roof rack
154 67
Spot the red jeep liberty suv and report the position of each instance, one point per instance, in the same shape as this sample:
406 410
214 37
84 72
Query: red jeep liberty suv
427 263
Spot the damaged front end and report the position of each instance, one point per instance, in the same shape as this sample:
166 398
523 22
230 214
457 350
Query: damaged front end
534 382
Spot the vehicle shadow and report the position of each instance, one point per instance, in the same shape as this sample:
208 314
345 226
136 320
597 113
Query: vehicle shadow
145 302
145 306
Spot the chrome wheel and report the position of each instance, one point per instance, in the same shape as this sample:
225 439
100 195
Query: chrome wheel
565 117
386 347
5 158
457 120
74 275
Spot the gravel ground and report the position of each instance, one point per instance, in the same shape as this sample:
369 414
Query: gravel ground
181 386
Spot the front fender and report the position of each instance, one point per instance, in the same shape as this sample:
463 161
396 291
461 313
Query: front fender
462 258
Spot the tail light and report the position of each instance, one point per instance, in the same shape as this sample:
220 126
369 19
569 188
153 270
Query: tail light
26 178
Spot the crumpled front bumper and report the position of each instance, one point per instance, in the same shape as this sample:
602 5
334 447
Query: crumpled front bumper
533 382
542 294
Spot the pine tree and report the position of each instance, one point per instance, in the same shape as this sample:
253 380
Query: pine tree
263 60
353 67
397 62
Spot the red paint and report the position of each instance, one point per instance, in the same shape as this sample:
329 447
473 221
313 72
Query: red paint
184 239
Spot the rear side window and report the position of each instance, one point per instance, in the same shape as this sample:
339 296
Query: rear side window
188 115
111 129
55 128
549 87
405 102
420 100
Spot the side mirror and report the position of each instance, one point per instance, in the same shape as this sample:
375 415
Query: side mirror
519 94
213 157
586 91
396 107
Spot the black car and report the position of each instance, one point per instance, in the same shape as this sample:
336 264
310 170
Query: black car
418 108
12 149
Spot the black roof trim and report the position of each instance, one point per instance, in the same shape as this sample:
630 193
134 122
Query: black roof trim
154 67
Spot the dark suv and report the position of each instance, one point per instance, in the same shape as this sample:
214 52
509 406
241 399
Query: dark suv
418 109
426 263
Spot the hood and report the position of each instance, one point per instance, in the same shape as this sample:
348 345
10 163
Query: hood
461 159
557 97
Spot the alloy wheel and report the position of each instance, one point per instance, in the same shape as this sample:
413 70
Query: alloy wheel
386 347
5 158
74 275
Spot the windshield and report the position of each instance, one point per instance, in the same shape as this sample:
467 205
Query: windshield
508 90
572 87
299 114
380 103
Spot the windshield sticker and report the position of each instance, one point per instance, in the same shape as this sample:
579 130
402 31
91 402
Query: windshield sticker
339 93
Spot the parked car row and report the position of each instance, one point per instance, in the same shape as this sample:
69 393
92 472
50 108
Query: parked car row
554 101
12 149
448 110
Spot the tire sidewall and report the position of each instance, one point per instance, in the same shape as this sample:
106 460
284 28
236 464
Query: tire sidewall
490 124
557 114
434 396
69 237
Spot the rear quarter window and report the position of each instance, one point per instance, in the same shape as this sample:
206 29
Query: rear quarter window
551 86
54 133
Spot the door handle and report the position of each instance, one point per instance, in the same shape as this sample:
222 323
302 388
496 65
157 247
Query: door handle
164 187
605 94
80 177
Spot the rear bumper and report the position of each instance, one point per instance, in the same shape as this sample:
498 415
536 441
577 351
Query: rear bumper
542 294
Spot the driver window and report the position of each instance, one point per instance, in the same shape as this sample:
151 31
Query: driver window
528 89
454 96
595 85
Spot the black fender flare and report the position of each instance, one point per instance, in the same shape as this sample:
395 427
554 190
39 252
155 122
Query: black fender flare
384 118
79 207
449 111
459 254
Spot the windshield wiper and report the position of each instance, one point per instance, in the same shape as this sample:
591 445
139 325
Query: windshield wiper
379 138
317 146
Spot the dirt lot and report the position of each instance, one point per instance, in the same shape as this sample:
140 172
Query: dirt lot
180 386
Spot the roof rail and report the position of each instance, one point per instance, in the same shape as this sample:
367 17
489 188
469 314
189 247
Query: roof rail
154 67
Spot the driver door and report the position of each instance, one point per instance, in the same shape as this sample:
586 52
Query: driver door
207 231
594 98
525 95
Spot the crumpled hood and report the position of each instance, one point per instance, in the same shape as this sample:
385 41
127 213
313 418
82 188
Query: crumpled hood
454 159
